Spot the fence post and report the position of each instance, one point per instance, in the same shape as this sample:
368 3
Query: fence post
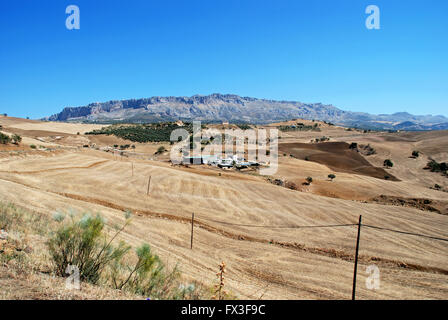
149 183
132 168
192 225
356 259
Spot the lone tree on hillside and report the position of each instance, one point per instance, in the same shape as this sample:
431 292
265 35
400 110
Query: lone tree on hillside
331 176
353 146
388 163
160 150
415 154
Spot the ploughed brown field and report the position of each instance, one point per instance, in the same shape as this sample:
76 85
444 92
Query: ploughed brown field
243 218
336 156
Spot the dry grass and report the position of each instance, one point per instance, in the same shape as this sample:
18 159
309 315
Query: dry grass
28 269
289 263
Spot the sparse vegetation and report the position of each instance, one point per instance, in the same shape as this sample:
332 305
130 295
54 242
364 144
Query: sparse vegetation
299 127
322 139
16 139
32 146
435 166
161 150
415 154
366 150
353 146
110 186
388 163
331 176
4 139
83 243
244 126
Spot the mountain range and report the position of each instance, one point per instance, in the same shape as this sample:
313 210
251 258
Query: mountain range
236 109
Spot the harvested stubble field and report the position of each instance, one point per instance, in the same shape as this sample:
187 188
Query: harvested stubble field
246 221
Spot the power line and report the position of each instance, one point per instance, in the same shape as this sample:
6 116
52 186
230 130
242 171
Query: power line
323 226
405 232
281 227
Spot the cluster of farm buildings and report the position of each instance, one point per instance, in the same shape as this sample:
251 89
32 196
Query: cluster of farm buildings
215 160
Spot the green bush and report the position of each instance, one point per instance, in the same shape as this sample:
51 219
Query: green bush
16 139
331 176
148 277
415 153
83 244
4 139
388 163
434 166
353 145
160 150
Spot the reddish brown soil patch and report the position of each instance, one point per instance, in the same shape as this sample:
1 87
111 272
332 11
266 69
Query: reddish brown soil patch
418 203
36 133
337 156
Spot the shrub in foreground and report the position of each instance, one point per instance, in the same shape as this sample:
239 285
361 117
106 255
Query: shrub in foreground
83 243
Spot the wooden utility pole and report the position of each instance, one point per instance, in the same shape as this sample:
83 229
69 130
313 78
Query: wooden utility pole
149 183
356 259
192 226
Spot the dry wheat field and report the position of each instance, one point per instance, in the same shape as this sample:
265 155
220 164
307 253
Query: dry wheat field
242 217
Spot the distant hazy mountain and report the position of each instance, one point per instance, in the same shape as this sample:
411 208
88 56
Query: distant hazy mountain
233 108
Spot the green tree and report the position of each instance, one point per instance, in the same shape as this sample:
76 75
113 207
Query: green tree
4 139
160 150
331 176
388 163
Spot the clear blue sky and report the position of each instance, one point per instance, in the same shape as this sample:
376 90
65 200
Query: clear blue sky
309 51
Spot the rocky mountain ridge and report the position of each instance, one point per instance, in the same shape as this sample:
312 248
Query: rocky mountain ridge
233 108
